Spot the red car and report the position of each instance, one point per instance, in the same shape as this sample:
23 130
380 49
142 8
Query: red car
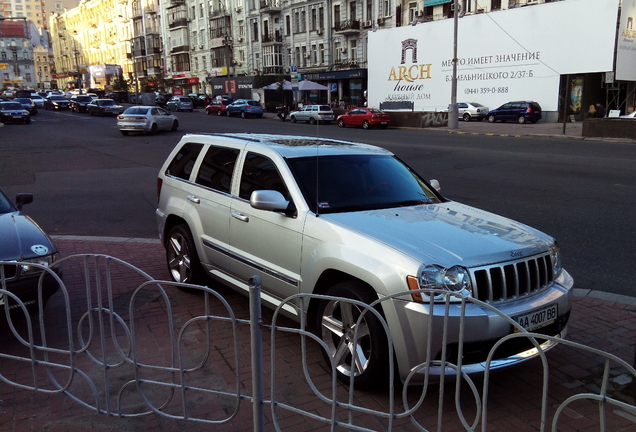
217 107
365 117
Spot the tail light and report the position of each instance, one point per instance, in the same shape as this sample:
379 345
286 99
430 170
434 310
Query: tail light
478 110
529 110
159 185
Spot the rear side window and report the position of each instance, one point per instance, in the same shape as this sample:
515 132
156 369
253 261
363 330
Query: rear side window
324 108
183 162
217 168
260 173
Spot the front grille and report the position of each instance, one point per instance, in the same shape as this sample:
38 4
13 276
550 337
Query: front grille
509 281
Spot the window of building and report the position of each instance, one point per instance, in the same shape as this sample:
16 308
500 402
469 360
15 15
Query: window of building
287 25
387 8
255 31
321 53
314 20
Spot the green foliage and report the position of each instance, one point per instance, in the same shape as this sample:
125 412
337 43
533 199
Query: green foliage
120 84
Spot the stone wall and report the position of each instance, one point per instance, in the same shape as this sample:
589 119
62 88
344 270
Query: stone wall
610 128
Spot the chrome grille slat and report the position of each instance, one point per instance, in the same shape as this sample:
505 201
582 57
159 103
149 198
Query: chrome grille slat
508 281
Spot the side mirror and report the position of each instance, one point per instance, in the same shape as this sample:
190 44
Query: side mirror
22 199
435 184
272 200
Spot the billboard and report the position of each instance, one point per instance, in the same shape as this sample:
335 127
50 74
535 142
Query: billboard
515 54
626 49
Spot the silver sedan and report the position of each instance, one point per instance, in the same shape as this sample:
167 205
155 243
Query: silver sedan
146 119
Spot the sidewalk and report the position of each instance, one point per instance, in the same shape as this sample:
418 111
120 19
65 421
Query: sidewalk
599 320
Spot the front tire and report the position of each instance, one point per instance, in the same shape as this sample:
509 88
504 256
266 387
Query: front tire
491 119
336 324
228 113
182 257
218 113
243 115
175 126
521 119
293 119
365 125
341 123
154 129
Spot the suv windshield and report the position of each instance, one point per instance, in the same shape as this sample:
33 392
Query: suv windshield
344 183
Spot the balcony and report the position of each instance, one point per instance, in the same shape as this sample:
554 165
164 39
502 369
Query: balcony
179 49
179 22
273 70
270 39
177 2
137 11
270 6
218 13
347 27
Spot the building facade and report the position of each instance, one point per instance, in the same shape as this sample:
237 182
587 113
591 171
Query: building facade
16 54
203 46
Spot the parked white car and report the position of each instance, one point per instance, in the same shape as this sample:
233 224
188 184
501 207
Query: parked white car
473 110
313 114
349 220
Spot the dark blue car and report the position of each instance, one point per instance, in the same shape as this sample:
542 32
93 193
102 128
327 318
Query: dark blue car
244 108
519 111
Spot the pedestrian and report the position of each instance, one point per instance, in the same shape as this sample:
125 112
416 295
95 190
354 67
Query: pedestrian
600 111
591 112
342 104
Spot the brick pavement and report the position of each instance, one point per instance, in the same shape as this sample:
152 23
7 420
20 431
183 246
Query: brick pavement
598 320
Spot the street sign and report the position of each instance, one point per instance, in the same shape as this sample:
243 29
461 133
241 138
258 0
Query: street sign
294 69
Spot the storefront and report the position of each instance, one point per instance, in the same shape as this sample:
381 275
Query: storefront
525 54
347 86
231 87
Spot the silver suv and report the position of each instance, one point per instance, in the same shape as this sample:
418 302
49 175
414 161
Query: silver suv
313 114
349 220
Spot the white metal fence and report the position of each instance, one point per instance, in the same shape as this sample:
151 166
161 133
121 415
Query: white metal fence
123 344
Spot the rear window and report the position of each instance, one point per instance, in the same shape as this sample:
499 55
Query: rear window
475 104
136 110
324 108
253 103
184 99
536 106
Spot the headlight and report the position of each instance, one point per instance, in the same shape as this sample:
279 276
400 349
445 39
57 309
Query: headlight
455 279
555 258
45 261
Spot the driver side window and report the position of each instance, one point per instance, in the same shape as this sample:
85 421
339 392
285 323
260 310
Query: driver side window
260 173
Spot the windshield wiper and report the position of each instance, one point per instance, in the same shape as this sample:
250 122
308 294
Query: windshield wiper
409 203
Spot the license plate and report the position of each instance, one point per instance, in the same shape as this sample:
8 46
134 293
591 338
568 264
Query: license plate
537 319
382 122
16 116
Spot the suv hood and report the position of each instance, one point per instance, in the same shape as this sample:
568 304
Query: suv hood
447 233
22 238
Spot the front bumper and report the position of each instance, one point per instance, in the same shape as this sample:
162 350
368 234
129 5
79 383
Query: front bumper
411 324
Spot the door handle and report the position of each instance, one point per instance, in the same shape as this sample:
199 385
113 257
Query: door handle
240 216
194 199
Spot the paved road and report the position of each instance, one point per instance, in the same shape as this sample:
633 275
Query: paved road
88 179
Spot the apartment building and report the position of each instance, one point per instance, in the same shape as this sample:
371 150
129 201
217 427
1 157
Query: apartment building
16 54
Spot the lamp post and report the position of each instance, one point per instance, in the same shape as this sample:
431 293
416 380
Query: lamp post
453 120
227 42
79 76
134 69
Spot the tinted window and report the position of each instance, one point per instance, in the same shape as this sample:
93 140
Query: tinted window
5 204
217 168
136 110
253 103
183 163
260 173
11 106
324 108
358 182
